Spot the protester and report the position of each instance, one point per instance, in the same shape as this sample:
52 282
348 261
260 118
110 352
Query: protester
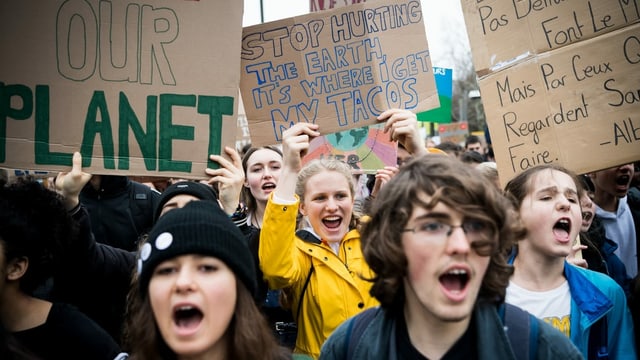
588 307
436 240
618 220
321 266
262 167
93 276
121 210
195 290
474 143
35 231
597 250
618 212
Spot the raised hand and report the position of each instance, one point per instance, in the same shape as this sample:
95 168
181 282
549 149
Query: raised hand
402 126
69 184
295 143
229 179
382 177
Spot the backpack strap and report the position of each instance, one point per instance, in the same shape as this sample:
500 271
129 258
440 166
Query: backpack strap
355 329
522 331
598 340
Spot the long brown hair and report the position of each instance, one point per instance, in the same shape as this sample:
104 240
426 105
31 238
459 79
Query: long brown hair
248 334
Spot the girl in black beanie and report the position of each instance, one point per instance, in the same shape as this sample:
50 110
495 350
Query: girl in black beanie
196 284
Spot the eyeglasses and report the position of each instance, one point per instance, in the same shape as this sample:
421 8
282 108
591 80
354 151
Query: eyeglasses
479 233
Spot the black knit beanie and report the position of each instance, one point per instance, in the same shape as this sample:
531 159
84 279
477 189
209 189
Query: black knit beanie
202 228
201 191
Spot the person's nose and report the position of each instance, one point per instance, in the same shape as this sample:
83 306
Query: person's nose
332 204
626 168
185 281
563 204
457 242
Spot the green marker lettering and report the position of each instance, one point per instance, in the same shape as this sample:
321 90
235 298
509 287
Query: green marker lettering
92 127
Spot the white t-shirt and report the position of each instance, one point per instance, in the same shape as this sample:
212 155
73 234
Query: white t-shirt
553 306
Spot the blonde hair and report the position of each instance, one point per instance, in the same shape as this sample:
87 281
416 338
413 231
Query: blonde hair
317 166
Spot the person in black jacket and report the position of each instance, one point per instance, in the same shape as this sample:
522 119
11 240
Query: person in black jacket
121 210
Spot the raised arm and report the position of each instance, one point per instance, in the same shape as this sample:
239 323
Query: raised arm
295 143
277 251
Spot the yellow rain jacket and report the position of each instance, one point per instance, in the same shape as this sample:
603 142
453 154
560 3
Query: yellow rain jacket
335 289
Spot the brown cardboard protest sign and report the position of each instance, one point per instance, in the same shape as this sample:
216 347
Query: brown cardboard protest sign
560 81
138 87
339 68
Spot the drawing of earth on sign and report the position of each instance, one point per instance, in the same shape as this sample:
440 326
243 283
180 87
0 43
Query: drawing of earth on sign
348 139
365 149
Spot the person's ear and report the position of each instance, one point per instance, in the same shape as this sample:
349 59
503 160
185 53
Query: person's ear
16 268
302 209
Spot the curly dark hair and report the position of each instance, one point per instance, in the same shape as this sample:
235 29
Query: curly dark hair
35 224
445 180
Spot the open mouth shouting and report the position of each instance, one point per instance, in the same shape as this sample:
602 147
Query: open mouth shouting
268 187
622 183
454 283
562 229
332 222
187 319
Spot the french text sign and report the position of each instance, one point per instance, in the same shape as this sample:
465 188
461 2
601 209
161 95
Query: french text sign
138 87
339 68
573 98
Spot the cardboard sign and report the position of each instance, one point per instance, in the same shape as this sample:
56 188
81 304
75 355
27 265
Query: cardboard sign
365 149
454 132
339 68
560 81
138 87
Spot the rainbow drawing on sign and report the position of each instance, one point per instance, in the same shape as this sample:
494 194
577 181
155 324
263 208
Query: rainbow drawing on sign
365 149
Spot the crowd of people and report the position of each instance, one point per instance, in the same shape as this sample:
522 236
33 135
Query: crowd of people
272 259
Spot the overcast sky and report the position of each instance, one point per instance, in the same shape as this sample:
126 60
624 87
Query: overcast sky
443 19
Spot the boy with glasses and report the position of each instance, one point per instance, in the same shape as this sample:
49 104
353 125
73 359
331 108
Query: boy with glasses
437 241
